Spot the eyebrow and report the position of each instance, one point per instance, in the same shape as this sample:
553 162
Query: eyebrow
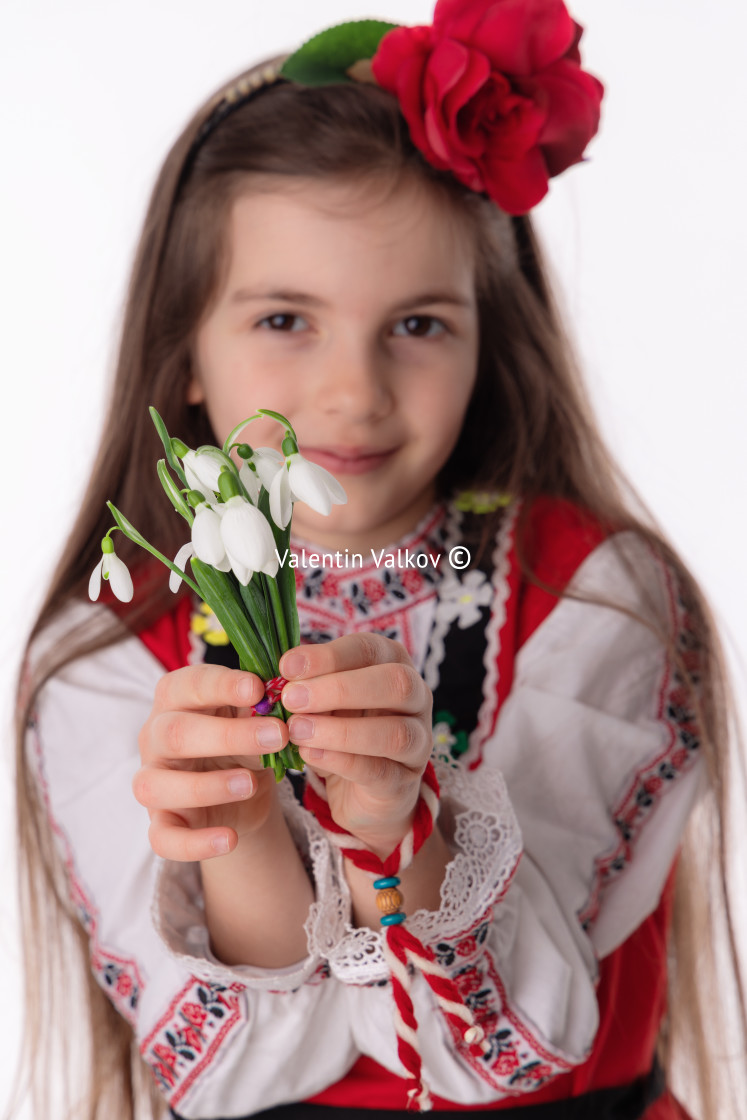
245 295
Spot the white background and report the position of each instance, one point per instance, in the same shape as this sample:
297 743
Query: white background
647 238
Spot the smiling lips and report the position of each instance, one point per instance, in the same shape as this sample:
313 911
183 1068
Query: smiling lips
347 460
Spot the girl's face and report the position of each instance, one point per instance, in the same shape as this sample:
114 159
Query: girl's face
356 319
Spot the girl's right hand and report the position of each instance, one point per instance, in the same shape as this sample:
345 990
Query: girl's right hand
201 778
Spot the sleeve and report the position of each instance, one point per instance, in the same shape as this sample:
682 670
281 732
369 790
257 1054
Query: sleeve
563 838
220 1040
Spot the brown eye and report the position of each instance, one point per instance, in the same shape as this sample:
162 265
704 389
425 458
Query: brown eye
282 321
419 326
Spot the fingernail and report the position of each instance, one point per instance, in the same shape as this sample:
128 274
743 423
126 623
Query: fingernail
293 665
269 735
219 844
245 690
312 754
295 696
301 728
241 785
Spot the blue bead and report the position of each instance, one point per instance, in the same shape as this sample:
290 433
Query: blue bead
381 884
393 919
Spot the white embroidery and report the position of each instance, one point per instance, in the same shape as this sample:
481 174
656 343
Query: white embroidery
463 597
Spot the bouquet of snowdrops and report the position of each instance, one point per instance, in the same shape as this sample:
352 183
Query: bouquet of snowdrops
239 519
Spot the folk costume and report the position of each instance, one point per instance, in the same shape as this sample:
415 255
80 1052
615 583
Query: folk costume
565 752
567 757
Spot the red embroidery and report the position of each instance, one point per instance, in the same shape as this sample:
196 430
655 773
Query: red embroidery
648 785
118 976
185 1040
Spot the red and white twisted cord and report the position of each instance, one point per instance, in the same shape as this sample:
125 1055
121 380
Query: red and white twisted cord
402 950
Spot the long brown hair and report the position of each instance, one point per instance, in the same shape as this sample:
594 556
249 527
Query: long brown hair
528 431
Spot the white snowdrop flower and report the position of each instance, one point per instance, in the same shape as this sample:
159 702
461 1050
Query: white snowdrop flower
251 480
461 599
314 485
268 462
241 571
303 481
113 569
247 538
180 560
202 471
206 537
281 505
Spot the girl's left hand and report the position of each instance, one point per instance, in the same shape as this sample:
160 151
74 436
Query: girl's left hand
364 724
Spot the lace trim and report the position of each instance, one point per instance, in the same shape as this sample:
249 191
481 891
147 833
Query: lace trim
501 570
443 616
487 836
178 911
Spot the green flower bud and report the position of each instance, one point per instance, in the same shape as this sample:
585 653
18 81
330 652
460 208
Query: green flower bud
289 446
228 484
245 451
107 545
179 447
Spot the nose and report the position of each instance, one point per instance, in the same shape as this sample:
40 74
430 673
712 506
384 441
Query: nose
353 381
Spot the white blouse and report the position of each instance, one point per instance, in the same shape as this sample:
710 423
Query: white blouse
562 839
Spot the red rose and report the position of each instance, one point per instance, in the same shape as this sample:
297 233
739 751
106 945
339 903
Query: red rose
494 92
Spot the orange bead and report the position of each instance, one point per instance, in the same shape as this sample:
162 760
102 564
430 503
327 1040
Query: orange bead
389 900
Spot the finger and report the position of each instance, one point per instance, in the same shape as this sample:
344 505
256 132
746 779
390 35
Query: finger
382 778
182 735
352 651
158 788
394 685
401 738
195 687
171 838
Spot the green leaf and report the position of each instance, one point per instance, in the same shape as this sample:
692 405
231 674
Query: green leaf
326 57
285 579
220 594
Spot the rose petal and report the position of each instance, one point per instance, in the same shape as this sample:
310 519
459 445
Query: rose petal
573 100
517 185
518 36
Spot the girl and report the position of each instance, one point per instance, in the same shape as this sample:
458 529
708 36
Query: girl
352 246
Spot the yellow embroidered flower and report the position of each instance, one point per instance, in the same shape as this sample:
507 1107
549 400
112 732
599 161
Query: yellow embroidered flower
481 501
206 625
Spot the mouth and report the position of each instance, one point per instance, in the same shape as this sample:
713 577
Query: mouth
348 460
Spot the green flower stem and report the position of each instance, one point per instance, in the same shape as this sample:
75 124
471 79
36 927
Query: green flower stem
235 431
218 591
280 419
253 597
276 606
271 632
175 495
131 532
166 441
